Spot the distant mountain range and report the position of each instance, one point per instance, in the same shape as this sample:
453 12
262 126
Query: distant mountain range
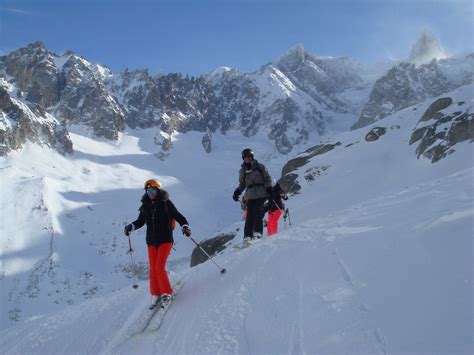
292 99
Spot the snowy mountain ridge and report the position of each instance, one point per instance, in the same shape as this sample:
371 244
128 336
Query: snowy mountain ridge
296 97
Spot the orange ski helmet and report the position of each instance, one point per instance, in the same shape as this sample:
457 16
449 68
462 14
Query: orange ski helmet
152 183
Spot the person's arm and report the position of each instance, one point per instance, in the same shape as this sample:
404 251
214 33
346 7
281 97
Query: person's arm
141 220
241 186
183 222
138 223
241 180
174 213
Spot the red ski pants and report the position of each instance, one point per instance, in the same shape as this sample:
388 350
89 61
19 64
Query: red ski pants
273 218
159 281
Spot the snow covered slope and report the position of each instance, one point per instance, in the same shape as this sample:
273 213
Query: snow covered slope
63 239
378 258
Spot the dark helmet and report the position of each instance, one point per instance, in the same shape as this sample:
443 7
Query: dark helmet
247 152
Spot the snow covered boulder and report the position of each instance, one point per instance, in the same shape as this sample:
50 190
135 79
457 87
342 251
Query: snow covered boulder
375 133
289 183
435 107
211 246
207 142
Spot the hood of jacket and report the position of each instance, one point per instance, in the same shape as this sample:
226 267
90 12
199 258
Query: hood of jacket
163 196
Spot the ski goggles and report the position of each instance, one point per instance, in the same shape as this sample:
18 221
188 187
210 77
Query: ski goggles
152 190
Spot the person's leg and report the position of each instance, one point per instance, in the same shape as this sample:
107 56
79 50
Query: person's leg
258 215
164 285
271 224
154 287
273 217
250 219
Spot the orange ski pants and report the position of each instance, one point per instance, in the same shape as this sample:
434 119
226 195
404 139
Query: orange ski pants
159 281
273 218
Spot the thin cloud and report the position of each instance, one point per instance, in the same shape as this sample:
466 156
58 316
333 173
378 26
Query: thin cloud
16 11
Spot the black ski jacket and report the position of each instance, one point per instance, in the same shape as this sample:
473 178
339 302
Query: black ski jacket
157 214
275 201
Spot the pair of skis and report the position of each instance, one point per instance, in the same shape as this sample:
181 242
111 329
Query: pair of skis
152 323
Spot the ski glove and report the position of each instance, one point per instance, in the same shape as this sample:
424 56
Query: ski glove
186 230
236 194
128 229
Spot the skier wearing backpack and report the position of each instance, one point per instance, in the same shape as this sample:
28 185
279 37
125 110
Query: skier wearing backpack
160 216
275 208
257 183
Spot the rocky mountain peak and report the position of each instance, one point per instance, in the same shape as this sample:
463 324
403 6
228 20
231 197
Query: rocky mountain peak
38 45
426 48
294 57
221 73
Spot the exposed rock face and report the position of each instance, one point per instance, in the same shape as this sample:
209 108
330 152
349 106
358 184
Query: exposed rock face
317 76
289 178
68 87
427 73
435 107
288 99
375 133
442 126
85 100
407 84
403 86
170 102
313 173
34 73
21 120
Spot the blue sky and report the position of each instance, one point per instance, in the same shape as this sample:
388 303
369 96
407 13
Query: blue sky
197 36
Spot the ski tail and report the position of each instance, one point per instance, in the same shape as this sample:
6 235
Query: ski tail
158 320
145 324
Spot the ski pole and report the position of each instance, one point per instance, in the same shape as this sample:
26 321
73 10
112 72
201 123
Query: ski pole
209 257
277 206
289 218
130 251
